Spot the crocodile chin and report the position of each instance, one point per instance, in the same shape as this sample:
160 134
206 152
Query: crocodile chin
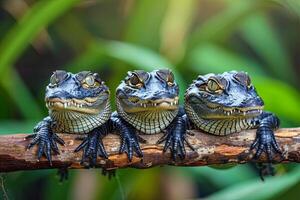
150 118
78 120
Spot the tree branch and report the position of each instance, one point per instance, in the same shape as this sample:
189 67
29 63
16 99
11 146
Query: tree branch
209 150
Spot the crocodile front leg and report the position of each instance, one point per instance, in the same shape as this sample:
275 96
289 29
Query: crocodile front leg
45 138
129 139
175 138
265 139
92 145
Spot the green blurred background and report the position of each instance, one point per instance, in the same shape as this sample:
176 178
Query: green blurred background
190 37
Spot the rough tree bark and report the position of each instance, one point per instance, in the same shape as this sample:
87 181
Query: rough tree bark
209 150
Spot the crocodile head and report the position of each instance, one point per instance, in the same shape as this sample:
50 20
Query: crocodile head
148 100
230 95
78 103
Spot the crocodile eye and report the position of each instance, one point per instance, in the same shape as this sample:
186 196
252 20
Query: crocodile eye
90 82
135 81
213 86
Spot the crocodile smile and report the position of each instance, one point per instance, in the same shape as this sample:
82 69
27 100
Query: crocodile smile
88 105
235 112
133 105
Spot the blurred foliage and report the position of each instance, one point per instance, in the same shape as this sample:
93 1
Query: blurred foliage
190 37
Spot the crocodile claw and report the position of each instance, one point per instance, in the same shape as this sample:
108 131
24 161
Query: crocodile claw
175 142
129 138
46 141
130 144
175 139
92 147
265 142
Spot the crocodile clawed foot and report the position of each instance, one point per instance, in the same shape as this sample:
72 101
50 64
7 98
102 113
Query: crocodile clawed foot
175 142
46 141
130 144
175 139
265 142
92 147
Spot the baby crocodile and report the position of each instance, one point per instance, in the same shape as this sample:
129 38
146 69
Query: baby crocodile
222 104
77 103
147 103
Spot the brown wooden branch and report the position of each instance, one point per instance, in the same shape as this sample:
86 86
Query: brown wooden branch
209 150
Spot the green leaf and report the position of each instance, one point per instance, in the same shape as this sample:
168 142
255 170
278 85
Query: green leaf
223 177
144 23
130 184
19 37
174 30
291 5
211 58
220 26
135 55
19 93
279 98
13 126
256 189
57 190
261 36
91 59
15 42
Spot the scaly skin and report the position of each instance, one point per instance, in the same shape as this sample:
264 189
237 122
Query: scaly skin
77 104
222 104
147 103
